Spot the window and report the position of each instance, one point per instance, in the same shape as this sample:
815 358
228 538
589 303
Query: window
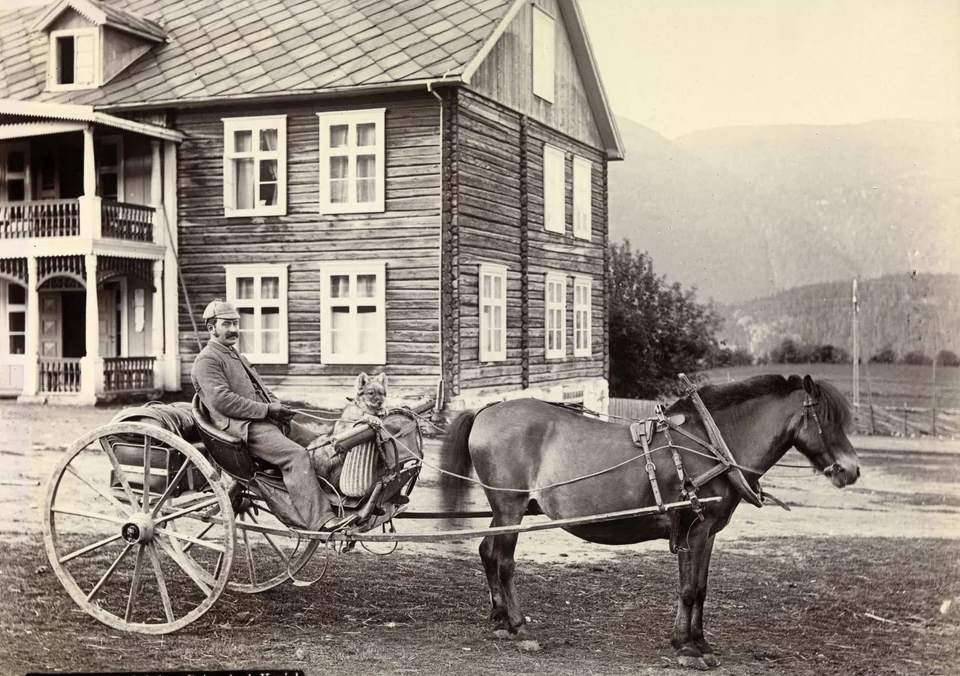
16 309
353 316
556 315
255 166
493 312
109 168
582 311
260 295
582 197
351 162
544 39
74 58
554 189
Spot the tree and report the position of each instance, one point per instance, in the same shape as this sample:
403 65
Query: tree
884 356
916 358
948 358
657 330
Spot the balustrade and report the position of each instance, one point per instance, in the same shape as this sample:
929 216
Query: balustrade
132 222
59 375
46 218
128 374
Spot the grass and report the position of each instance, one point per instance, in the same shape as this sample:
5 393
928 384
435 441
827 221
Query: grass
777 605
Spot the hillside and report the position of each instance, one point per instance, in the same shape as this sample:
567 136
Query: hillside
746 212
906 312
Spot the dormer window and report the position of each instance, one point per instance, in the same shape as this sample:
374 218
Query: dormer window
74 57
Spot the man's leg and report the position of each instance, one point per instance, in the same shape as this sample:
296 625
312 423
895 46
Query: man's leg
266 441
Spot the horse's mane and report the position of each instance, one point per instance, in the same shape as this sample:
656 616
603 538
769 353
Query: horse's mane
832 407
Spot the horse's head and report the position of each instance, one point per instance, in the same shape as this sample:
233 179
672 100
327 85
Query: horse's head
821 434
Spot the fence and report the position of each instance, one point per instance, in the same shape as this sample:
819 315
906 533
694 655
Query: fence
627 410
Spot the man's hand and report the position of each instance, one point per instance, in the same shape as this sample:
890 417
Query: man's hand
280 412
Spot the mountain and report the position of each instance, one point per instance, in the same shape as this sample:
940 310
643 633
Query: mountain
904 312
746 212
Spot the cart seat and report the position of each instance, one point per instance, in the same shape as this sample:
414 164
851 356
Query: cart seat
229 452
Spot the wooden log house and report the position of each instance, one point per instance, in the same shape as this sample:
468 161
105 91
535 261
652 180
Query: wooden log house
418 188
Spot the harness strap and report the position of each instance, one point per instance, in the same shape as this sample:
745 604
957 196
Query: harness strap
719 446
640 439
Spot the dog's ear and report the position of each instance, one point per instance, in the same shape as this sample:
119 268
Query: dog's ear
362 380
382 379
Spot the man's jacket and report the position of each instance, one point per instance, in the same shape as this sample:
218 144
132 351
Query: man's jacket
228 385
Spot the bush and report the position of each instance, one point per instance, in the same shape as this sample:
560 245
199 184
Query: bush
916 358
948 358
884 356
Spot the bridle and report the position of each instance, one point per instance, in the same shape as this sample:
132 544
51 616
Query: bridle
810 404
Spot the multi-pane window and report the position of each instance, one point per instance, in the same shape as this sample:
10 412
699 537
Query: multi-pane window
554 189
74 58
109 168
353 315
544 56
255 166
260 294
582 197
493 312
556 315
351 161
16 319
582 310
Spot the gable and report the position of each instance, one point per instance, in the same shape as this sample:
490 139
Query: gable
70 19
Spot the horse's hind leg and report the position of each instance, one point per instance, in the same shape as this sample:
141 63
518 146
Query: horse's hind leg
496 552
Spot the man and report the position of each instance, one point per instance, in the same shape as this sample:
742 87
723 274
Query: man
240 403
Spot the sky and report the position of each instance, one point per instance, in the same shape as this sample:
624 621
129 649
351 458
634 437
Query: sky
677 66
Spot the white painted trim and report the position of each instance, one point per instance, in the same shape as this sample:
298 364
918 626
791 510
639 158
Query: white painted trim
555 278
255 125
78 113
581 165
542 86
487 46
583 280
31 129
97 55
493 270
329 269
550 199
352 118
91 13
282 272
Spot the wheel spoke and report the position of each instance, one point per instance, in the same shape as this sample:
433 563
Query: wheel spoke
119 506
171 487
134 586
185 564
250 566
121 477
106 576
187 510
147 461
89 548
199 535
187 538
164 594
76 511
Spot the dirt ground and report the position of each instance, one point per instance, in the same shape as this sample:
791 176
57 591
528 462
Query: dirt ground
853 581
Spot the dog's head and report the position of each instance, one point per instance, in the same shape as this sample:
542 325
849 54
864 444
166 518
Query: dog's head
371 393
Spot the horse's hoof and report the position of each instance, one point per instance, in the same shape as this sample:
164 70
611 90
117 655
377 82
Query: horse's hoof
503 634
691 662
711 660
528 646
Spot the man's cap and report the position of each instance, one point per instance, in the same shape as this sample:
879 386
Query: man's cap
220 309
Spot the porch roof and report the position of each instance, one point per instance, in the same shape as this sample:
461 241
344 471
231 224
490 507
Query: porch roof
60 117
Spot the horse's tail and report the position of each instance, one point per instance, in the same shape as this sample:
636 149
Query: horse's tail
455 462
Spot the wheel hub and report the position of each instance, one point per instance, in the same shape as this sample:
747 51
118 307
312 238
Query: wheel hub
138 530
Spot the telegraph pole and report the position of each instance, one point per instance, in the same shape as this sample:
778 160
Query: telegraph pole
856 354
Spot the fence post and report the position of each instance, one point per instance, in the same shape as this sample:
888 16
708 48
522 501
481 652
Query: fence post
904 419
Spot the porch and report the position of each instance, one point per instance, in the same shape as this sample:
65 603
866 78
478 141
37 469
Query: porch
67 218
121 375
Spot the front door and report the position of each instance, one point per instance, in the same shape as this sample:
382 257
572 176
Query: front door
51 322
13 336
109 311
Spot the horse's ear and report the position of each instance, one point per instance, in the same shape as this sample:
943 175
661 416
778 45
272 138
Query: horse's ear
809 386
362 380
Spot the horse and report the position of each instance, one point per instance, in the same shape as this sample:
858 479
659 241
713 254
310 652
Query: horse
545 458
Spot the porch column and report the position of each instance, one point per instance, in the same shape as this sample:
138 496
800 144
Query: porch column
171 297
156 337
156 193
91 366
31 380
90 216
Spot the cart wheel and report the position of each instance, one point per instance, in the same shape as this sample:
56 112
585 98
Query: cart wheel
122 512
267 552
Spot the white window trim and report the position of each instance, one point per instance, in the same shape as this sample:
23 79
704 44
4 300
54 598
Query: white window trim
279 270
582 197
255 125
492 270
52 61
544 54
551 279
353 268
587 350
554 189
6 333
352 118
116 141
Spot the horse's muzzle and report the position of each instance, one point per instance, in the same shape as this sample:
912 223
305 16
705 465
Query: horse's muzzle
842 476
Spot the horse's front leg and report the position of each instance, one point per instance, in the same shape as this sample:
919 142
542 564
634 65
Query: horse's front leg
696 617
690 559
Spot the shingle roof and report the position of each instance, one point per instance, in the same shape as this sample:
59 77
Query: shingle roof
243 48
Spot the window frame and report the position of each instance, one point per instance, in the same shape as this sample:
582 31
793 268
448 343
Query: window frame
544 54
552 279
582 197
8 308
53 61
258 272
554 189
377 356
584 311
492 270
352 118
114 140
255 125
